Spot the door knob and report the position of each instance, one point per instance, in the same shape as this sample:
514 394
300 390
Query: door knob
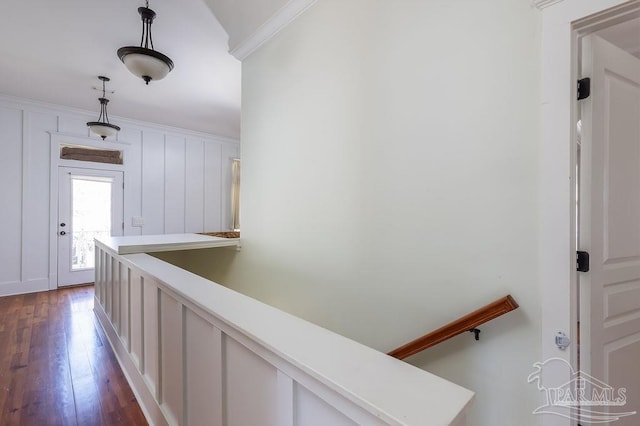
63 233
63 224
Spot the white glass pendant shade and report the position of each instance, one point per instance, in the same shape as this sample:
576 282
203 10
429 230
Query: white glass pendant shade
145 63
104 130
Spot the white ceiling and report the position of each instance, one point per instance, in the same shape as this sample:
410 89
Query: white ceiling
53 51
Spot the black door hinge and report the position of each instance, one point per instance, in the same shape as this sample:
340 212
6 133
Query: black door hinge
582 261
584 88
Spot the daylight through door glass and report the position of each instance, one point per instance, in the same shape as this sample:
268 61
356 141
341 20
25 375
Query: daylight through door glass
91 218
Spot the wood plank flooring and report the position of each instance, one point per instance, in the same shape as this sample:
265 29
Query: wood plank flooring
56 364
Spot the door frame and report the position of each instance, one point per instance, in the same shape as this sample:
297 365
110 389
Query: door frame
563 23
57 140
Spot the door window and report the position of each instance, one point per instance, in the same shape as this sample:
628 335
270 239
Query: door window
91 217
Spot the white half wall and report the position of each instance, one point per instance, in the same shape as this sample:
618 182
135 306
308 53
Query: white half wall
390 169
174 179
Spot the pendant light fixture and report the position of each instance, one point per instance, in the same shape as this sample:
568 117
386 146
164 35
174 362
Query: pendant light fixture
102 127
144 61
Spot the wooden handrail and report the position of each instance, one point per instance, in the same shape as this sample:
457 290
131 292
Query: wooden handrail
466 323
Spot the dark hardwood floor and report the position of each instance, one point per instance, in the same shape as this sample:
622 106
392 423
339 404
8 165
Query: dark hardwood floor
56 365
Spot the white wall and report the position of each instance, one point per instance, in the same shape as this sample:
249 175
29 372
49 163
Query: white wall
390 183
177 180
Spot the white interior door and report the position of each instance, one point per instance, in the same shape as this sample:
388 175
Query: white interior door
90 205
610 222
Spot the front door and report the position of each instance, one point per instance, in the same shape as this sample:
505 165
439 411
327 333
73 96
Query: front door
610 225
90 205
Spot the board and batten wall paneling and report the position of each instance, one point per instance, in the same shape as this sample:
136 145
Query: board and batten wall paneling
11 189
171 351
125 294
74 124
203 374
173 181
150 347
153 183
115 294
311 410
194 187
174 188
214 367
136 329
35 214
132 178
250 381
194 196
212 187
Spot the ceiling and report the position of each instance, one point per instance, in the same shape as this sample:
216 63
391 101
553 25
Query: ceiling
54 52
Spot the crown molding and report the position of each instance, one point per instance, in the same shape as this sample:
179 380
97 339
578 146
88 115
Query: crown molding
283 17
541 4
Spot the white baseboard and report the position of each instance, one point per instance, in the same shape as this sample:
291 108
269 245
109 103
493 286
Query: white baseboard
12 288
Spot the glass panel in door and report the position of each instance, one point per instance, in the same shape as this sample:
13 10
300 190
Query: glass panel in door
89 206
91 218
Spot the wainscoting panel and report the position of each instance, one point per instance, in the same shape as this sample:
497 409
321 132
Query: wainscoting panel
115 295
203 371
136 307
251 382
125 290
171 352
10 173
150 333
310 410
238 365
